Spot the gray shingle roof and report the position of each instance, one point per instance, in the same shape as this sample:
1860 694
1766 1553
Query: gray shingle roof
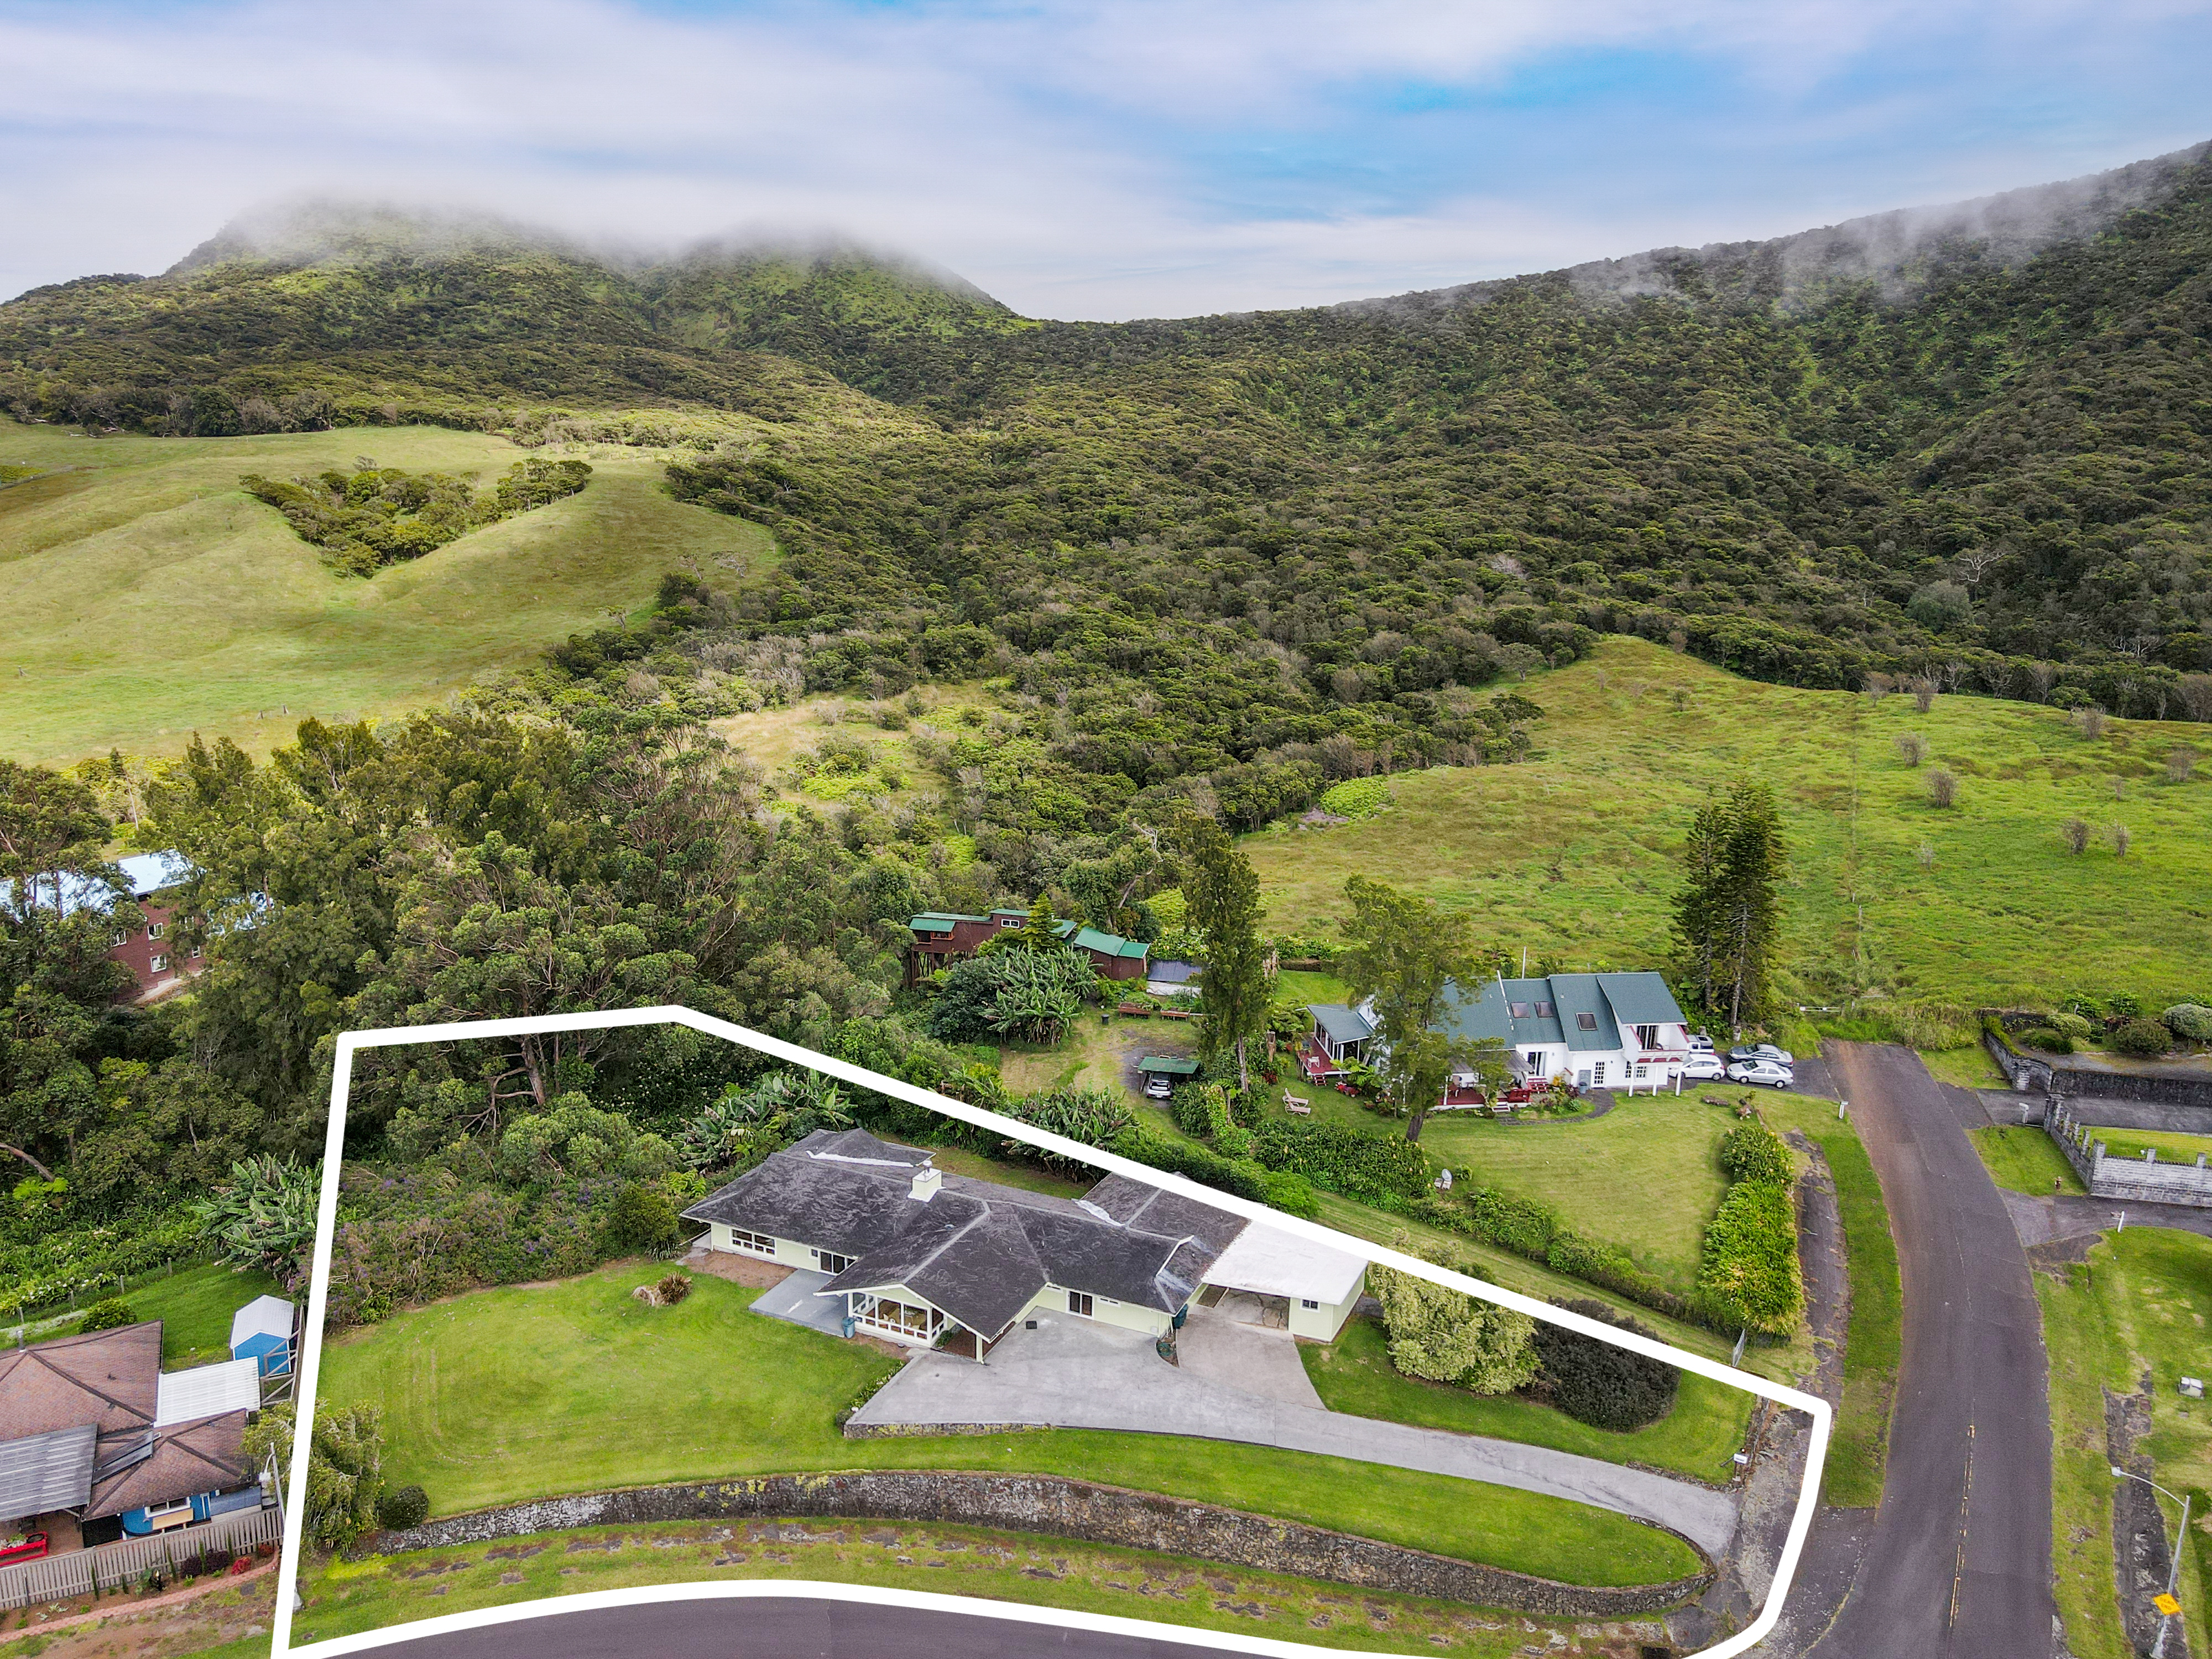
1341 1024
975 1250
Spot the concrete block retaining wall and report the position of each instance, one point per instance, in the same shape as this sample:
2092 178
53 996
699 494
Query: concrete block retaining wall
2137 1180
1065 1509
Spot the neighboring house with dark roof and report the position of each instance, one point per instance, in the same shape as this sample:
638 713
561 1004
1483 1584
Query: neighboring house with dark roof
926 1258
96 1432
1596 1031
941 937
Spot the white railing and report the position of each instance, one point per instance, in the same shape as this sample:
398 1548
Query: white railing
121 1566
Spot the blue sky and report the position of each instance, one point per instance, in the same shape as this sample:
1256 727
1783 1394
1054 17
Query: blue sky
1115 160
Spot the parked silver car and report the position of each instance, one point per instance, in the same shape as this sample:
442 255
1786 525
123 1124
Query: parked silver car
1764 1051
1763 1071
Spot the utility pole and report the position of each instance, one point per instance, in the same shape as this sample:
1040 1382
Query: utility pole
2167 1606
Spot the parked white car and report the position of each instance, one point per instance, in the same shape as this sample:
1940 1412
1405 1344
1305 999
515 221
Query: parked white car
1762 1070
1159 1086
1704 1068
1766 1051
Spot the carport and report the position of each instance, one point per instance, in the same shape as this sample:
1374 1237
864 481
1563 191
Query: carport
1318 1283
1174 1068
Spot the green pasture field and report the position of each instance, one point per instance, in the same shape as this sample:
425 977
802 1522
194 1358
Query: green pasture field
149 597
2137 1307
1577 855
344 1597
1353 1374
530 1392
2022 1159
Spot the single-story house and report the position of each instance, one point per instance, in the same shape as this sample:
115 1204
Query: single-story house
1595 1031
943 937
100 1441
262 1331
929 1259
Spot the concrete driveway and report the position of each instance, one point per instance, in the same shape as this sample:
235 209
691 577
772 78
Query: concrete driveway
1076 1374
795 1300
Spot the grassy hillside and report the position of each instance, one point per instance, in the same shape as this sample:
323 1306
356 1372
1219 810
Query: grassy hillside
149 597
1576 855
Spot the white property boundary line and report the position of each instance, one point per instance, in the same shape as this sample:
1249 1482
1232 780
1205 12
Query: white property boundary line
474 1031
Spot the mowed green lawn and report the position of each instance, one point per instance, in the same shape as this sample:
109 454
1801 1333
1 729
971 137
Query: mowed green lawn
2140 1307
516 1394
195 1307
2022 1159
2172 1148
1577 856
1645 1177
1353 1374
149 597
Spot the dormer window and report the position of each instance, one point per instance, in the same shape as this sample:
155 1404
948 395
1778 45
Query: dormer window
1586 1022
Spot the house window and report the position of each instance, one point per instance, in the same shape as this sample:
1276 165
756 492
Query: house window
159 964
900 1318
1535 1058
154 930
1520 1010
1308 1302
194 954
830 1262
1647 1037
122 937
1080 1302
1010 921
1545 1011
1586 1022
757 1244
1639 1072
1597 1073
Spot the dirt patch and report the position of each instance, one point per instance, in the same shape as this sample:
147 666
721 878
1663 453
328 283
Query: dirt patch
738 1269
2141 1556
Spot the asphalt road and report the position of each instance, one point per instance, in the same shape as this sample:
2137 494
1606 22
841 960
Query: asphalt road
1958 1562
779 1627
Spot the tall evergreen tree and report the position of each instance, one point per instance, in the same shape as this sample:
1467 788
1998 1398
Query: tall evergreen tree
1223 894
1727 916
1410 956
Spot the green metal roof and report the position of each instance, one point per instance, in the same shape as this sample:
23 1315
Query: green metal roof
1172 1065
929 917
1085 938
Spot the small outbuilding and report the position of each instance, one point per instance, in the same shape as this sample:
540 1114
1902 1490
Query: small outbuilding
1174 1066
262 1331
1319 1283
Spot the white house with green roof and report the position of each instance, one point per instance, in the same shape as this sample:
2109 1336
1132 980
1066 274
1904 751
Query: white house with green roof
1595 1030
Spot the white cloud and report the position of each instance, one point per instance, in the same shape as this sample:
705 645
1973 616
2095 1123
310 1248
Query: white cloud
1067 157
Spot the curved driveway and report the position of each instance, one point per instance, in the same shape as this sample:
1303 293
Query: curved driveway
1070 1373
1958 1565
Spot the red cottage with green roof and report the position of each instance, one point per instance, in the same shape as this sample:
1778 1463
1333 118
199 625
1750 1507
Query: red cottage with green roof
942 938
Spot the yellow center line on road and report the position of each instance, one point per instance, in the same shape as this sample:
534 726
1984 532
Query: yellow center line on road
1966 1507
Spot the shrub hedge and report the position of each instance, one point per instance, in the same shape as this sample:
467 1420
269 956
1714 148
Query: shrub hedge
1749 1275
1362 1166
1597 1383
1752 1151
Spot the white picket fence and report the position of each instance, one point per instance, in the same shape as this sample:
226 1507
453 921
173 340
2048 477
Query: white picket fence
121 1566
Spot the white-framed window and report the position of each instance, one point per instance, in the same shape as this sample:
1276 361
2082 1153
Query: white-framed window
901 1318
122 937
1308 1302
1597 1073
1080 1301
1010 921
1640 1070
1535 1058
1647 1037
159 964
194 952
756 1243
830 1262
154 929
